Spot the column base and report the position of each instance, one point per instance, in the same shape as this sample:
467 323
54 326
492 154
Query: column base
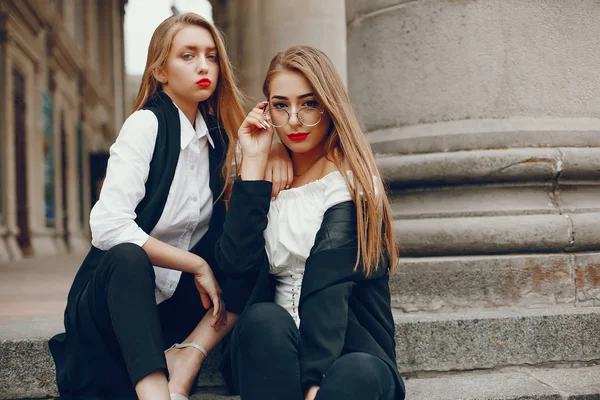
13 248
4 253
79 243
61 246
43 245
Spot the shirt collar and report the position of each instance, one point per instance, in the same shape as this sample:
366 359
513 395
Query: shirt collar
188 133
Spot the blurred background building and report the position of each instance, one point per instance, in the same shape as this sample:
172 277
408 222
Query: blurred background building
62 79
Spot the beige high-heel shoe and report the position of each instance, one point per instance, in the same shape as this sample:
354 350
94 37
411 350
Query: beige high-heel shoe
177 396
184 345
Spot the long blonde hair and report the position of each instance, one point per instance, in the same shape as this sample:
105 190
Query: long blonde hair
347 147
225 103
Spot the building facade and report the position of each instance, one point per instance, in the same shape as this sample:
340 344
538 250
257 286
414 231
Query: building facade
61 104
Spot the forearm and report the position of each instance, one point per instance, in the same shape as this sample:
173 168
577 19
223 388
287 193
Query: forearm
241 248
164 255
253 168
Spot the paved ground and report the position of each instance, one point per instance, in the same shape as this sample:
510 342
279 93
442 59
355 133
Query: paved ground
37 288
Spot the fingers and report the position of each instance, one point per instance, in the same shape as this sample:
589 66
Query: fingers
216 310
256 121
277 182
280 170
290 174
257 118
219 313
205 299
269 173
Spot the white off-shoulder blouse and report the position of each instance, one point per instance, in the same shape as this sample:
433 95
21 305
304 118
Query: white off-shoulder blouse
294 218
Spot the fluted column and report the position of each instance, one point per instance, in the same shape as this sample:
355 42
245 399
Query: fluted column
486 119
256 30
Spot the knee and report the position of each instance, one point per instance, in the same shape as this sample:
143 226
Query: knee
128 252
265 325
128 259
358 369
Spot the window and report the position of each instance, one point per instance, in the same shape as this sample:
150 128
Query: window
49 169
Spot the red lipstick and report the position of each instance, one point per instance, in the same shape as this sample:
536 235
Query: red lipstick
204 82
297 136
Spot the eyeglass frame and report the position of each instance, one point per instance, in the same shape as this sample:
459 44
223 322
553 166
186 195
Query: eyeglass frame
296 114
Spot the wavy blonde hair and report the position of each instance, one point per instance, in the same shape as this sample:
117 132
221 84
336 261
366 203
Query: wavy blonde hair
225 103
347 147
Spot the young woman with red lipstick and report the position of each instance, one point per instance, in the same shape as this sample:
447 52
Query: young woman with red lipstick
151 280
318 324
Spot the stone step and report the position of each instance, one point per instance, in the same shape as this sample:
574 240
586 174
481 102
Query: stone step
426 342
582 383
578 383
468 340
466 282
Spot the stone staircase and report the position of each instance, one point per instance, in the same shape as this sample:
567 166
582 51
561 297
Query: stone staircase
446 349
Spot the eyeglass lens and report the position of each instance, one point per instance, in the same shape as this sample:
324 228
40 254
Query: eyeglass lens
307 116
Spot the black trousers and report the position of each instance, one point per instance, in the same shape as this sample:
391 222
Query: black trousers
122 329
264 353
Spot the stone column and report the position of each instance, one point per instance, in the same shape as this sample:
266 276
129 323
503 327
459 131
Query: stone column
117 10
256 30
486 118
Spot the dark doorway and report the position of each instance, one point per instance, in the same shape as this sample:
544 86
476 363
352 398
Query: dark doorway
64 163
24 238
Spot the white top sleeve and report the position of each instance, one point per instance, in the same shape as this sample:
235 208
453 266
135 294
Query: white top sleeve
336 191
112 219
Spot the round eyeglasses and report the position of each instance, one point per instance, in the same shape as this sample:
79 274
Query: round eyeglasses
308 116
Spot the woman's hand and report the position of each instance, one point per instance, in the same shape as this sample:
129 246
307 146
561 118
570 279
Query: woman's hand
255 134
311 393
280 170
210 292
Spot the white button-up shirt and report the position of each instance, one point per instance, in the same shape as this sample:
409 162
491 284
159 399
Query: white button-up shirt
187 213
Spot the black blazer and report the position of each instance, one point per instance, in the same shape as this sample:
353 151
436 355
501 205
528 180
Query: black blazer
72 376
341 310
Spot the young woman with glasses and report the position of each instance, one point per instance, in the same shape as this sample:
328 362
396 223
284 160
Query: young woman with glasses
318 324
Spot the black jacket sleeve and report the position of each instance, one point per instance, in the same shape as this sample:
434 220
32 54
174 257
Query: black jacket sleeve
240 250
329 279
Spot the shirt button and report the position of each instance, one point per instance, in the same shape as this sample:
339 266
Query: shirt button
194 199
192 167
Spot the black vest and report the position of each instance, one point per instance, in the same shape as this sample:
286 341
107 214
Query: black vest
65 348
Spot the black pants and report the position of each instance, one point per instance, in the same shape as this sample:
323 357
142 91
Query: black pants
264 352
123 331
